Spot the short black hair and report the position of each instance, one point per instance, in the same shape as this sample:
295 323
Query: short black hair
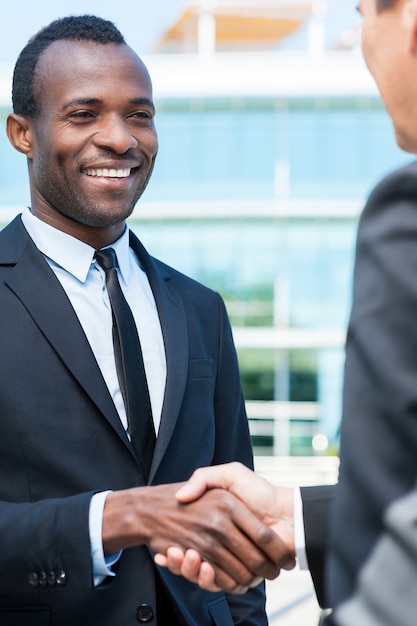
76 27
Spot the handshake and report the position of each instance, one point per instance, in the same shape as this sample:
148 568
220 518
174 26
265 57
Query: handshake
251 533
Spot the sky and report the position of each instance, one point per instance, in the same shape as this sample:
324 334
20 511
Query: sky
142 22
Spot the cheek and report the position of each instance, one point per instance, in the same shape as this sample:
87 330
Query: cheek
147 137
366 44
379 61
152 143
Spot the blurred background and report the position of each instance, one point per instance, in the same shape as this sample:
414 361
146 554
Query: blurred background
271 135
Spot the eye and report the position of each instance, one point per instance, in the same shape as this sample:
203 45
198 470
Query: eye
142 115
81 114
142 118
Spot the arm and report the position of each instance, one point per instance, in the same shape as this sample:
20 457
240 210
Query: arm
51 537
316 515
47 537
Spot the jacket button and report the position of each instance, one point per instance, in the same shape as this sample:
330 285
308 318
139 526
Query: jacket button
61 578
33 579
144 613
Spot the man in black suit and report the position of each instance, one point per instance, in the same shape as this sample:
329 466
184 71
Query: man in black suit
379 425
80 518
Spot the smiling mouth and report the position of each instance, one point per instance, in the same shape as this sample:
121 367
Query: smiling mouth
108 172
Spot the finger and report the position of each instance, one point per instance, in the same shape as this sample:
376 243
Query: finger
212 578
207 577
191 565
160 559
222 581
232 543
175 559
289 564
222 551
257 581
259 549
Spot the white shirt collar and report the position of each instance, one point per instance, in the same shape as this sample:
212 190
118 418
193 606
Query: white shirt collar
73 255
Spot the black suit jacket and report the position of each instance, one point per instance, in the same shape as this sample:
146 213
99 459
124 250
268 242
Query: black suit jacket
62 440
317 502
379 424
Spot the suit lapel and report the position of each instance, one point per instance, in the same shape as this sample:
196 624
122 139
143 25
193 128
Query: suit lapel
175 333
52 312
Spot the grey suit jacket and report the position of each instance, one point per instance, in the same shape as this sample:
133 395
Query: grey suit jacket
386 590
379 424
61 440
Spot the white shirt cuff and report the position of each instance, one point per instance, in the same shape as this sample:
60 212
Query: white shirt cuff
299 534
101 564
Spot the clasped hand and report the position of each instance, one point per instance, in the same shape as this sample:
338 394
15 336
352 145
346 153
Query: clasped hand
250 530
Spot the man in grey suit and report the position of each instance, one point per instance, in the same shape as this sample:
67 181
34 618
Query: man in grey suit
379 426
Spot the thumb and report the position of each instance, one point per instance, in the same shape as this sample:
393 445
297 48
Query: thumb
216 476
192 490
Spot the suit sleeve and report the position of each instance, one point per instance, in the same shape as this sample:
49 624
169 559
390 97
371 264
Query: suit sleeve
379 423
316 514
385 592
45 544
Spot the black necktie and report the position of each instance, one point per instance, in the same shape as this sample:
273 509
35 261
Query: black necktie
129 365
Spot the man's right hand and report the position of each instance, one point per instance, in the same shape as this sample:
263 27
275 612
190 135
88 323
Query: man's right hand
241 549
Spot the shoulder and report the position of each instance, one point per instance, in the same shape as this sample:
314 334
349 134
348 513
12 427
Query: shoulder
13 239
399 183
196 297
187 286
391 206
179 278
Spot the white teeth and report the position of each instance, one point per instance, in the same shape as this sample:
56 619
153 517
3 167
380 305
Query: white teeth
109 173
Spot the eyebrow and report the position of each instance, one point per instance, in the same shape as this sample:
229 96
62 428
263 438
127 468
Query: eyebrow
143 102
90 101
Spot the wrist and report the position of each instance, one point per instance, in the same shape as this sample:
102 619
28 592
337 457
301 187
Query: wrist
283 513
123 520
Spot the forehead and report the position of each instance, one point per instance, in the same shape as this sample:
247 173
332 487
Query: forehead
69 69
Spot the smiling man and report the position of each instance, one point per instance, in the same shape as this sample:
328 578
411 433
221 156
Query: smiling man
90 464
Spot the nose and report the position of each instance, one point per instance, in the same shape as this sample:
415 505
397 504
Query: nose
114 134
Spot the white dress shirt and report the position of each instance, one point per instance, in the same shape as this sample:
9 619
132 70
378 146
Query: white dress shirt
83 280
299 533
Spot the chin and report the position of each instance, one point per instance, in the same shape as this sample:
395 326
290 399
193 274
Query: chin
406 141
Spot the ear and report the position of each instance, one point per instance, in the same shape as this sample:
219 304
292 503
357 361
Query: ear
20 133
409 20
